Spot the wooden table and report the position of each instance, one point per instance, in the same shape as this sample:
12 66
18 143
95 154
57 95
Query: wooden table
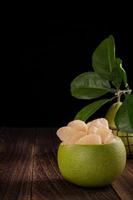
29 171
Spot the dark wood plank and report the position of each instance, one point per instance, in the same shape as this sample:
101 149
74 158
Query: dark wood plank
47 181
124 184
2 140
16 165
29 171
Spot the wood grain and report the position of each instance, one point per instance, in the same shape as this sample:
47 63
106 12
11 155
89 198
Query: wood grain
16 165
29 170
124 184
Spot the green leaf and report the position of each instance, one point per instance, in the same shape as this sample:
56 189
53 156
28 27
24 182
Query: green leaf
89 85
123 74
124 116
119 74
103 58
90 109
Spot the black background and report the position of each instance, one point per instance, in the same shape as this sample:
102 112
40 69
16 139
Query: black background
35 88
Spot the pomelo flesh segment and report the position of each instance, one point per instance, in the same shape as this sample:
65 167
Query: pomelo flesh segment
88 124
92 130
78 125
69 135
104 133
64 133
100 122
75 137
109 139
90 139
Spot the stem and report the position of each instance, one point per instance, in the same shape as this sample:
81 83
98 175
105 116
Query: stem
128 91
118 98
119 93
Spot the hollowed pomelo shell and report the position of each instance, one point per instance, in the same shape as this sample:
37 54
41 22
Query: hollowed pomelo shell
92 165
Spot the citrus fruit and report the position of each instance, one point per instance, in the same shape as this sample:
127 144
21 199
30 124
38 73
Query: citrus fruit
98 122
91 157
127 138
69 135
92 165
110 115
90 139
78 132
78 125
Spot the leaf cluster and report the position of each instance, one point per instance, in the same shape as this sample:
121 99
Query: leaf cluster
110 77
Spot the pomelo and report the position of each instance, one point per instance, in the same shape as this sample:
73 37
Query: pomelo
79 125
92 129
90 139
106 134
98 123
69 135
127 138
75 132
110 115
92 165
